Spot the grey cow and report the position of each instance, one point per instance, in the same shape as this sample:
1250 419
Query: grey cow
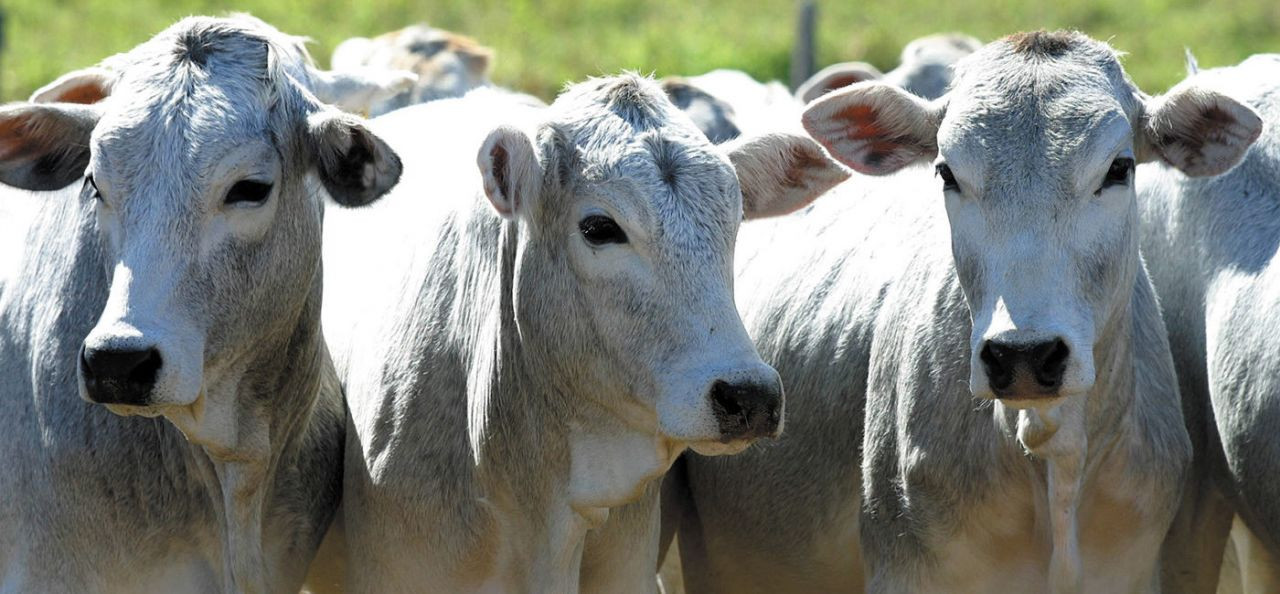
175 281
535 323
980 391
1211 246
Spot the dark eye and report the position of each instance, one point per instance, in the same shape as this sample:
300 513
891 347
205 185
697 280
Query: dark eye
91 186
599 230
948 178
1118 174
248 191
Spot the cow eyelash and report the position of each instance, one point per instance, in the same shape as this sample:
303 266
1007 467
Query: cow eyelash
599 230
248 192
1120 172
92 185
948 179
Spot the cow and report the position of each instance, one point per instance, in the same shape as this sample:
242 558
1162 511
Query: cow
535 323
1210 245
924 68
446 64
980 395
726 104
172 421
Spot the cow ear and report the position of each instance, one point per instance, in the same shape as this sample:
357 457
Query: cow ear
44 147
836 76
875 128
355 166
510 169
358 90
780 173
87 86
1199 131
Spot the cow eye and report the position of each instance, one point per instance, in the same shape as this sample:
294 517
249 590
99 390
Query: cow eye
948 178
1118 174
599 230
248 192
92 187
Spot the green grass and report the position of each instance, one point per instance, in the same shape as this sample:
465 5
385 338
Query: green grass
542 44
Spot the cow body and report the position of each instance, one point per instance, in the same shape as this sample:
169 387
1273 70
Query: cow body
483 354
1212 258
1064 473
213 464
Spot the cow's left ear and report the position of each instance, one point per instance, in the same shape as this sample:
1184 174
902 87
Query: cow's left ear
1199 131
355 166
359 89
86 87
836 76
45 146
780 173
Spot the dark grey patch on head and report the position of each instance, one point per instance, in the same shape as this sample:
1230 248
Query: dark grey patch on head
667 156
1044 44
628 98
560 155
427 48
195 45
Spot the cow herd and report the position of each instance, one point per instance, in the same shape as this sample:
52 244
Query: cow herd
994 321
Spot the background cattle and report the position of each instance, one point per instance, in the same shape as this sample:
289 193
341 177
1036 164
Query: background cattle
1009 273
172 275
1211 246
527 346
446 64
924 69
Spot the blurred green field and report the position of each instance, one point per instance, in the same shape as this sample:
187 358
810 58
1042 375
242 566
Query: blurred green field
543 43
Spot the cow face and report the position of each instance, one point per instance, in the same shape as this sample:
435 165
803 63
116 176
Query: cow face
196 163
625 286
1034 154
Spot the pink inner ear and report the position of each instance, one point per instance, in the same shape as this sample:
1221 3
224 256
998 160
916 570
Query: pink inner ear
86 94
876 149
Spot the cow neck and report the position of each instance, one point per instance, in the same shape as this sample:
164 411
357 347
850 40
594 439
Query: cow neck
1074 438
251 432
551 461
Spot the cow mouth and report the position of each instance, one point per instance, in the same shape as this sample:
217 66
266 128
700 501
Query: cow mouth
720 448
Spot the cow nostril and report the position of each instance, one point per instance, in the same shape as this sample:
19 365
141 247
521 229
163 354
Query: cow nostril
1052 363
995 361
145 372
724 397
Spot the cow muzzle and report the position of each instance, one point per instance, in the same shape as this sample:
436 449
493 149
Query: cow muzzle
119 375
747 409
1031 370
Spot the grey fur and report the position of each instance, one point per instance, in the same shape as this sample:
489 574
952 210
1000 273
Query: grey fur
1212 244
510 387
866 303
95 502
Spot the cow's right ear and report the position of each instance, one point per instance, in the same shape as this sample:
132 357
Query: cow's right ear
875 128
836 76
355 166
510 169
87 86
45 147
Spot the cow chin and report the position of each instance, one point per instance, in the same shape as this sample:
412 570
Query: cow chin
716 448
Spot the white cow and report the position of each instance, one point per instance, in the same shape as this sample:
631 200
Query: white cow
1212 246
925 68
725 104
980 392
526 347
446 64
175 281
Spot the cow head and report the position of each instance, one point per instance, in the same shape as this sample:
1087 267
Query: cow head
628 217
200 155
1034 152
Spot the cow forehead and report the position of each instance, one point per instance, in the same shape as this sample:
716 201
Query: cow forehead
187 97
628 141
1038 102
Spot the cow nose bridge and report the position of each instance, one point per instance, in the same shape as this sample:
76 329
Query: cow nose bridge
119 375
1016 368
747 407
